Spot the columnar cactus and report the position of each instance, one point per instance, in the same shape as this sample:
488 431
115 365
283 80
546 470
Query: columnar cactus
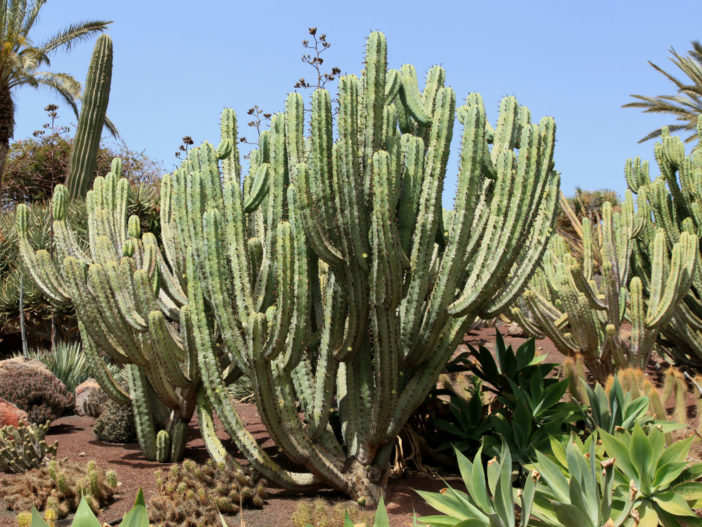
96 95
675 198
581 305
333 282
130 307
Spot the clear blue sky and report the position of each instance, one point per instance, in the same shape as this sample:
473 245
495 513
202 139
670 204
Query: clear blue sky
177 64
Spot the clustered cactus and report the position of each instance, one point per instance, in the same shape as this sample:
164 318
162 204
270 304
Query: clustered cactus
59 486
329 275
24 447
319 513
115 423
583 305
130 306
675 199
194 494
36 391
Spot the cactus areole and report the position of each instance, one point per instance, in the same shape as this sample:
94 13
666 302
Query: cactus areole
330 274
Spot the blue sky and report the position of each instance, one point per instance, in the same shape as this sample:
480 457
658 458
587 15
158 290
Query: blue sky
178 64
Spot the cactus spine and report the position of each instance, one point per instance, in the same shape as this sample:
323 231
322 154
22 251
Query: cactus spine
337 285
92 118
675 198
584 316
130 306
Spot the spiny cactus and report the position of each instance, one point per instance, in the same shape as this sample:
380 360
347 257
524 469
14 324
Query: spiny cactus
59 486
115 423
319 513
91 120
583 307
130 306
24 447
332 277
675 198
193 495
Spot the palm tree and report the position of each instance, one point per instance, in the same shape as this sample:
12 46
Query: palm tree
20 61
687 104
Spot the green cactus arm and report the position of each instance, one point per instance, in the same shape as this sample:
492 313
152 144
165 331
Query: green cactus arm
259 188
410 96
99 369
298 333
546 323
143 418
530 255
92 117
220 399
87 310
107 304
168 351
220 293
502 242
517 314
294 129
215 447
683 260
392 86
428 215
347 180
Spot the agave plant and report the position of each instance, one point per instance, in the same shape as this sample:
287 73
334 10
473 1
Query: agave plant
658 479
489 500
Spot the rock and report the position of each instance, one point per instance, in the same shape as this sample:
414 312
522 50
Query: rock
10 415
515 330
89 398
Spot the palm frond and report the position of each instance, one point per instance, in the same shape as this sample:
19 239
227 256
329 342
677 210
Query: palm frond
73 34
63 84
32 15
111 128
686 105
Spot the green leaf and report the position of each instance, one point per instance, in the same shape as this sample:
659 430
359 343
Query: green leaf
617 449
570 516
84 515
649 517
673 503
137 516
381 515
37 520
348 522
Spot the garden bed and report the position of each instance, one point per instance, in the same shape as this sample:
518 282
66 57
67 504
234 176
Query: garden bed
78 443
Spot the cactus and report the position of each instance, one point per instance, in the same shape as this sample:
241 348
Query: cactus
341 287
675 198
115 423
191 495
58 487
130 305
24 447
91 120
585 316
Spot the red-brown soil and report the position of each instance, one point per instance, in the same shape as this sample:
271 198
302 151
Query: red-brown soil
78 443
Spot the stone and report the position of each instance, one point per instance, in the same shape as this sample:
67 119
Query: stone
515 330
89 398
10 415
